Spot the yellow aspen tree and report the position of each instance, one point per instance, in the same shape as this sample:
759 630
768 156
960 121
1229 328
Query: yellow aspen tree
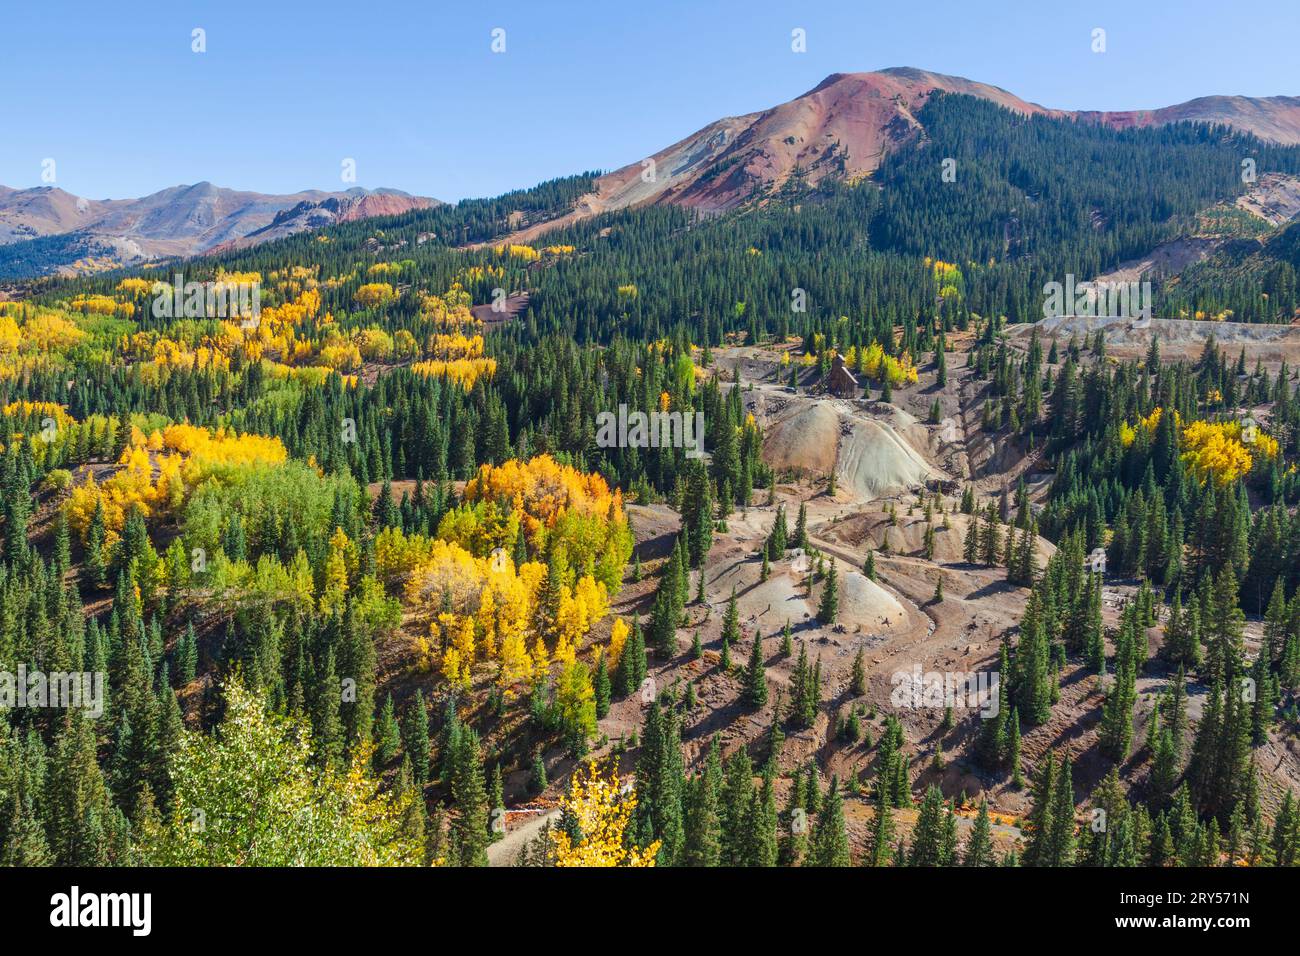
602 813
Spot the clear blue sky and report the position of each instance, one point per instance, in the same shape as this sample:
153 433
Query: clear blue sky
413 92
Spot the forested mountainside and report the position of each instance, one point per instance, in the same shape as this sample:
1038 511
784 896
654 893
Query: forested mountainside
367 553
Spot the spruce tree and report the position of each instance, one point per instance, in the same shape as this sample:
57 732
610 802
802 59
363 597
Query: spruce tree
927 837
702 844
731 621
979 848
537 781
1061 839
387 735
737 793
1033 679
1042 815
804 694
761 822
469 835
601 686
697 515
631 667
971 545
96 569
660 781
667 610
830 839
858 676
882 833
756 676
829 607
415 738
1013 750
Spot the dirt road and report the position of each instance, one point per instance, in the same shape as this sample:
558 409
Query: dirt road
504 851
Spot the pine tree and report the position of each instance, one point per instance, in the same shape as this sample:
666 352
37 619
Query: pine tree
830 839
858 676
829 607
1033 680
359 664
882 833
777 541
1286 833
1061 838
892 778
684 573
537 781
702 844
26 844
601 686
948 847
1013 750
971 546
761 848
756 676
412 825
697 515
1223 628
979 848
387 735
1094 633
1275 624
1261 715
990 537
96 570
927 838
1116 734
415 738
804 694
327 722
731 621
667 610
496 793
187 655
62 543
469 835
1042 816
737 794
660 780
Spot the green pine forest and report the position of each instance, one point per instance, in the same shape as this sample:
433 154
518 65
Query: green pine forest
229 603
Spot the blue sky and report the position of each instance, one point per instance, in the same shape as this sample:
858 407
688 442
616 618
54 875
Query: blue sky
413 92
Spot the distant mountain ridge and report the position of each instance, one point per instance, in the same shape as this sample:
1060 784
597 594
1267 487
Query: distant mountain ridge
178 221
847 124
844 128
317 214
